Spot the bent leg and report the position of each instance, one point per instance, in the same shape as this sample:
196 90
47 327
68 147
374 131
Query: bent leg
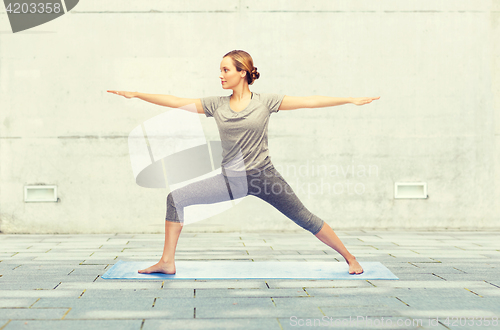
211 190
166 264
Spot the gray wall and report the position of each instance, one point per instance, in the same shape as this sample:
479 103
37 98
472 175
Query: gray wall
436 66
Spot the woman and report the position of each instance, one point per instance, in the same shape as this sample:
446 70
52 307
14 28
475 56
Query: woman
242 119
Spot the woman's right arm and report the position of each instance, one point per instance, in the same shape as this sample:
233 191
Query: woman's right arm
192 105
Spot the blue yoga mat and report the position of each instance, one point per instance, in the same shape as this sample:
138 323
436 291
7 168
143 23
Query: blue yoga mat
218 270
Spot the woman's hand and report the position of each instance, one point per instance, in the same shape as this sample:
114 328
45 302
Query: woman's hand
128 95
363 100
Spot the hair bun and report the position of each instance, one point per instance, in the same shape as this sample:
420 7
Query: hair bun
255 74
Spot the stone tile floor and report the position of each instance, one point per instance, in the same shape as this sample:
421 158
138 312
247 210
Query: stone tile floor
447 280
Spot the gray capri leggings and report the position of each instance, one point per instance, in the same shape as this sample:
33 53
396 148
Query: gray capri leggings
267 185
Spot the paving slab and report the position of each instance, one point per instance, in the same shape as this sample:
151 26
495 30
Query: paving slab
214 324
438 303
108 285
371 300
249 293
205 284
28 284
150 293
75 324
454 293
18 313
125 314
29 293
16 302
132 302
53 281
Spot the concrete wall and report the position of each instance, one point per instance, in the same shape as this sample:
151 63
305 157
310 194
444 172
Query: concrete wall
436 66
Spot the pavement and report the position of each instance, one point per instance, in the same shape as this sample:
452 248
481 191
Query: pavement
447 280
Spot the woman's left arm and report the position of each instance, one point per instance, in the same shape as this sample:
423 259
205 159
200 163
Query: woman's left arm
318 101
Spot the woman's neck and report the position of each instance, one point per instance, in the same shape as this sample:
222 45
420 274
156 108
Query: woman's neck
240 94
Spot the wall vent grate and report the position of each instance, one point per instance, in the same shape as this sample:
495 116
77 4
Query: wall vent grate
410 190
40 193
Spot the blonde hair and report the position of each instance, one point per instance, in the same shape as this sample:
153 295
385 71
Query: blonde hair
243 61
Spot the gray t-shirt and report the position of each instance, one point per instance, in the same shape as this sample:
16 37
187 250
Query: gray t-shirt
243 134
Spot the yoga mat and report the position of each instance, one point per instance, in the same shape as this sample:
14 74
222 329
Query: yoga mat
218 270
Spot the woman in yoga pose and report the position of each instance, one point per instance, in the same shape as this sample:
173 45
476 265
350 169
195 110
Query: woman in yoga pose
242 119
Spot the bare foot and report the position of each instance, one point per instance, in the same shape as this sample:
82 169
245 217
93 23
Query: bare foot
354 266
160 267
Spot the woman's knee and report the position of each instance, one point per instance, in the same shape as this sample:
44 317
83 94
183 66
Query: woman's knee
176 199
317 227
170 200
309 221
174 214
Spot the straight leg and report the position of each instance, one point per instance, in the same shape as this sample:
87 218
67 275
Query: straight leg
271 187
328 236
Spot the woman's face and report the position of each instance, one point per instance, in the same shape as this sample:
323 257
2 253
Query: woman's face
230 77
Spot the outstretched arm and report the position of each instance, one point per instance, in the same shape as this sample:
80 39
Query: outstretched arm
318 101
192 105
